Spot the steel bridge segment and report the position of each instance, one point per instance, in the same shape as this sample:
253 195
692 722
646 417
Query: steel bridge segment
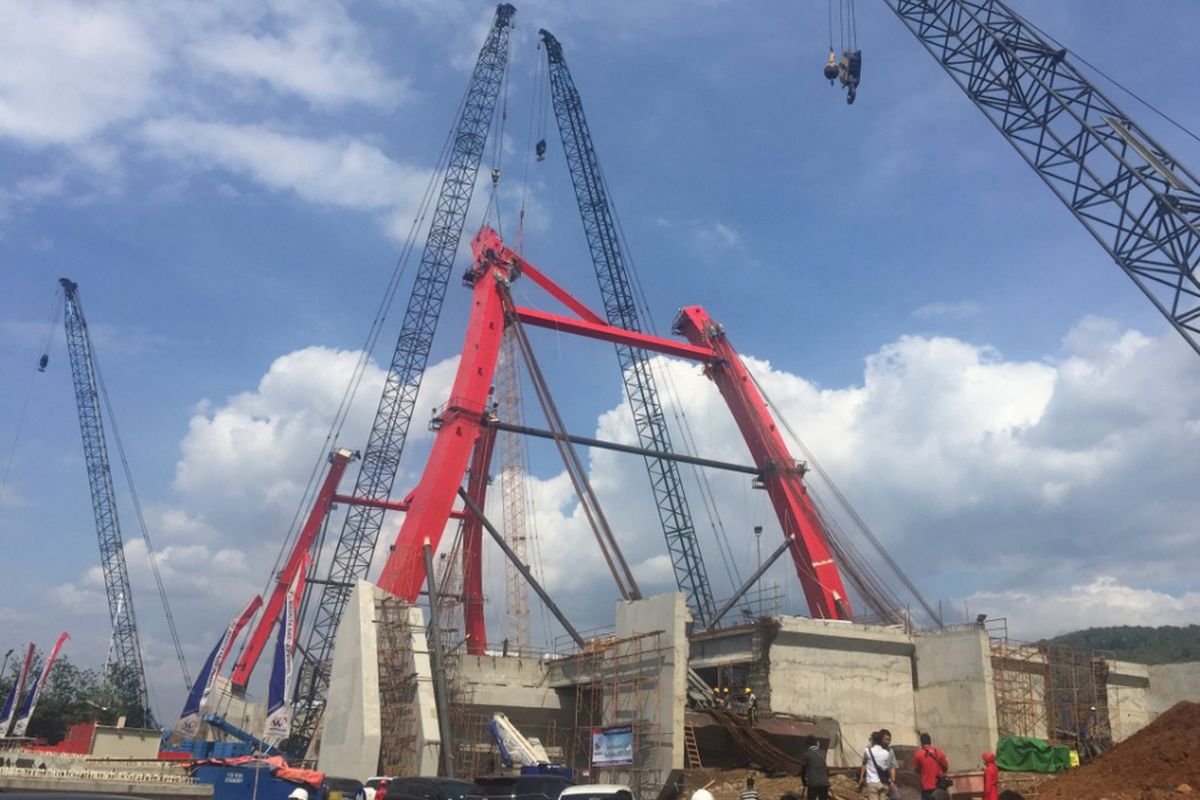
127 649
691 575
381 458
1132 195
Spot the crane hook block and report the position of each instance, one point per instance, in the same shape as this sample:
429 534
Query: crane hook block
495 177
540 149
43 361
831 68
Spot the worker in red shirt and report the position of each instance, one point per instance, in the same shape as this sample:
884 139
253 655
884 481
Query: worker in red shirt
931 764
991 777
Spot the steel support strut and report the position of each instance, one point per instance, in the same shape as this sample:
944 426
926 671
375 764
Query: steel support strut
472 548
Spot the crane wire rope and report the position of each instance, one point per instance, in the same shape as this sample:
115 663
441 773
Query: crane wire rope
537 117
51 324
342 413
682 424
829 15
499 122
141 520
1025 21
844 504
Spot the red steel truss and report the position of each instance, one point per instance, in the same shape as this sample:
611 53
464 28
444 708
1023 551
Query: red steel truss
463 438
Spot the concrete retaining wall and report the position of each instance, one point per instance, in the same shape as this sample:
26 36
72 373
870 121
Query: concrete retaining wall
955 696
1127 688
1171 683
860 675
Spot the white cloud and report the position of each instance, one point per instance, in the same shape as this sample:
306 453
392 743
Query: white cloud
72 69
1101 601
341 172
313 50
964 309
1020 476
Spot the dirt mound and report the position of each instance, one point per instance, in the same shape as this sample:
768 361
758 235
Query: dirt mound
1154 763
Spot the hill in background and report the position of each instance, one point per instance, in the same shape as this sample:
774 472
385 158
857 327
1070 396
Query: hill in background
1168 644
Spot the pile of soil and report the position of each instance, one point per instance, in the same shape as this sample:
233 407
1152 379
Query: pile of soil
1157 762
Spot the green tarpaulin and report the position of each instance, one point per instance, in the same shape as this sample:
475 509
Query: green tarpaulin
1023 754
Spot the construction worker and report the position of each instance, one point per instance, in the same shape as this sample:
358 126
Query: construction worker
814 770
930 764
751 706
991 777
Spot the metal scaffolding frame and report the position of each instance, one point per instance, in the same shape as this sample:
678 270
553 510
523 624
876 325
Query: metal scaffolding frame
618 678
397 689
1051 691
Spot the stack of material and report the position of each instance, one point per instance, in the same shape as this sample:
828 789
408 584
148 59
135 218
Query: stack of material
1155 763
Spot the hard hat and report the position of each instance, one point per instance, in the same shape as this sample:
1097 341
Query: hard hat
298 794
702 794
747 690
726 690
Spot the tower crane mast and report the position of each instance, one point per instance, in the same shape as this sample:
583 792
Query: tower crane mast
1133 196
620 308
381 459
126 647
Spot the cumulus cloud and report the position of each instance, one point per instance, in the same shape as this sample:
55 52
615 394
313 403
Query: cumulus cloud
312 50
1053 492
343 172
1049 611
979 473
72 69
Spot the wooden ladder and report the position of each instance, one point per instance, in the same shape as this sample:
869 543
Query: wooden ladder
692 749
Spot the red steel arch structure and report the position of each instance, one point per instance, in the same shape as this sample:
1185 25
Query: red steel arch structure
463 439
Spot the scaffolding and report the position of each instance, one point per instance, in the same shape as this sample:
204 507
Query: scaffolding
397 688
1051 691
618 682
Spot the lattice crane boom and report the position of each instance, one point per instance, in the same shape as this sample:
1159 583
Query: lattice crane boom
620 308
513 495
381 458
1133 196
126 647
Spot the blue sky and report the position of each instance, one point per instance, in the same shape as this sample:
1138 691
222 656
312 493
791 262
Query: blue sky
230 184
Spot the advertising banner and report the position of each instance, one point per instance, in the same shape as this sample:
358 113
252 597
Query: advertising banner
612 747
